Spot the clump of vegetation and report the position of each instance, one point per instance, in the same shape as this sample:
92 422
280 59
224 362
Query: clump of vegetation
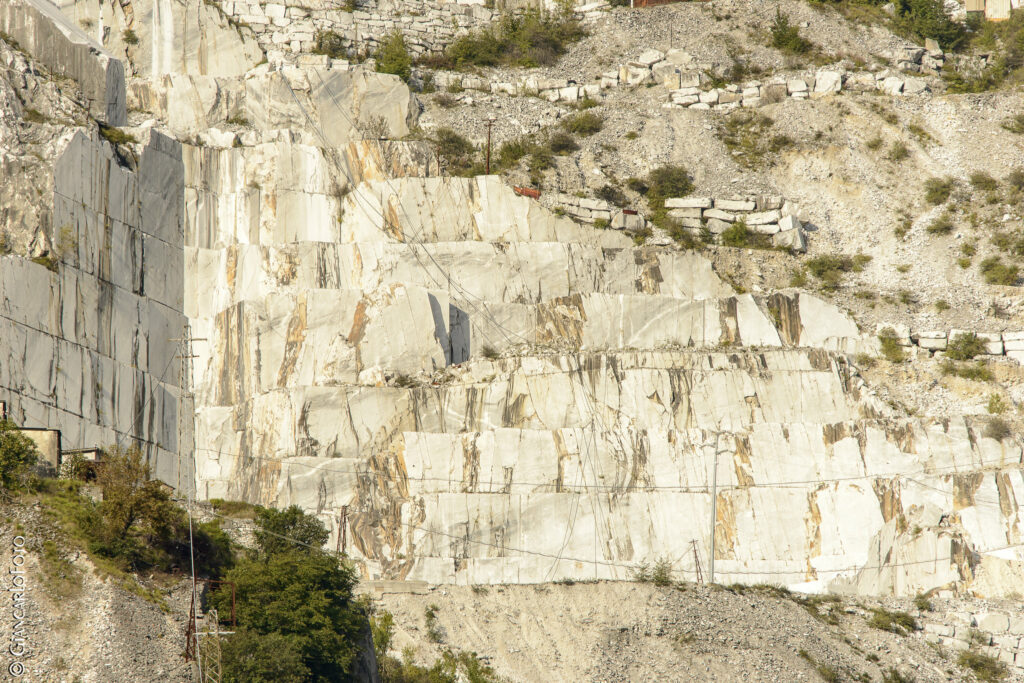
898 151
115 136
331 44
892 675
612 195
18 454
490 353
921 19
937 190
1015 124
34 116
830 268
996 272
786 36
977 372
965 346
985 668
739 235
393 57
899 623
984 182
562 143
129 37
997 405
922 603
666 182
997 428
748 135
585 123
234 508
660 574
1004 41
434 633
458 153
525 40
297 618
892 350
942 225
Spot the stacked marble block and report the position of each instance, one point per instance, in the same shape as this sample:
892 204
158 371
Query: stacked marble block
767 215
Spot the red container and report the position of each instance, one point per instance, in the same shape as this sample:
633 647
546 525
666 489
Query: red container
527 192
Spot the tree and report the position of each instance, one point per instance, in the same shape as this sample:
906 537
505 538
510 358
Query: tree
301 599
249 657
928 19
17 454
393 57
289 530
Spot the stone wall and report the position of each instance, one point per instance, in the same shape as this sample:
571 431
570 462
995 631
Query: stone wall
1009 344
89 346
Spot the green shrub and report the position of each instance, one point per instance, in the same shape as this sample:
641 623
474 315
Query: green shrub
739 235
923 19
984 182
997 428
898 151
666 182
874 143
1015 124
512 151
331 44
942 225
922 603
899 623
18 454
129 37
1015 180
562 143
996 272
115 136
585 123
892 675
393 57
997 404
891 348
965 346
458 153
976 372
937 190
612 195
830 268
786 36
526 40
985 668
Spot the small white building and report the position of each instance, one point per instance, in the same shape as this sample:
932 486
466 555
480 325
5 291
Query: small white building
994 10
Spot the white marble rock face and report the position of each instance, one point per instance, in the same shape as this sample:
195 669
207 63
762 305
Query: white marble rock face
497 392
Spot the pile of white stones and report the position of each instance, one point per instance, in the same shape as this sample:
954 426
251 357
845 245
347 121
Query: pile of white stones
1010 344
765 214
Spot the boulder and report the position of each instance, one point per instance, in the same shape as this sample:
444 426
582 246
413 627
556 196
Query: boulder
828 81
793 239
735 205
796 85
649 58
718 214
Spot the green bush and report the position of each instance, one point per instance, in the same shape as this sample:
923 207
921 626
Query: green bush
923 19
786 36
129 37
1015 124
976 372
965 346
898 151
585 123
984 182
612 195
899 623
937 190
458 153
739 235
830 268
526 40
115 136
942 225
997 428
512 151
666 182
1015 180
18 454
891 348
996 272
331 44
393 57
562 143
985 668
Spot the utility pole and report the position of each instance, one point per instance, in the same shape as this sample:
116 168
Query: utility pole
490 122
714 512
696 561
